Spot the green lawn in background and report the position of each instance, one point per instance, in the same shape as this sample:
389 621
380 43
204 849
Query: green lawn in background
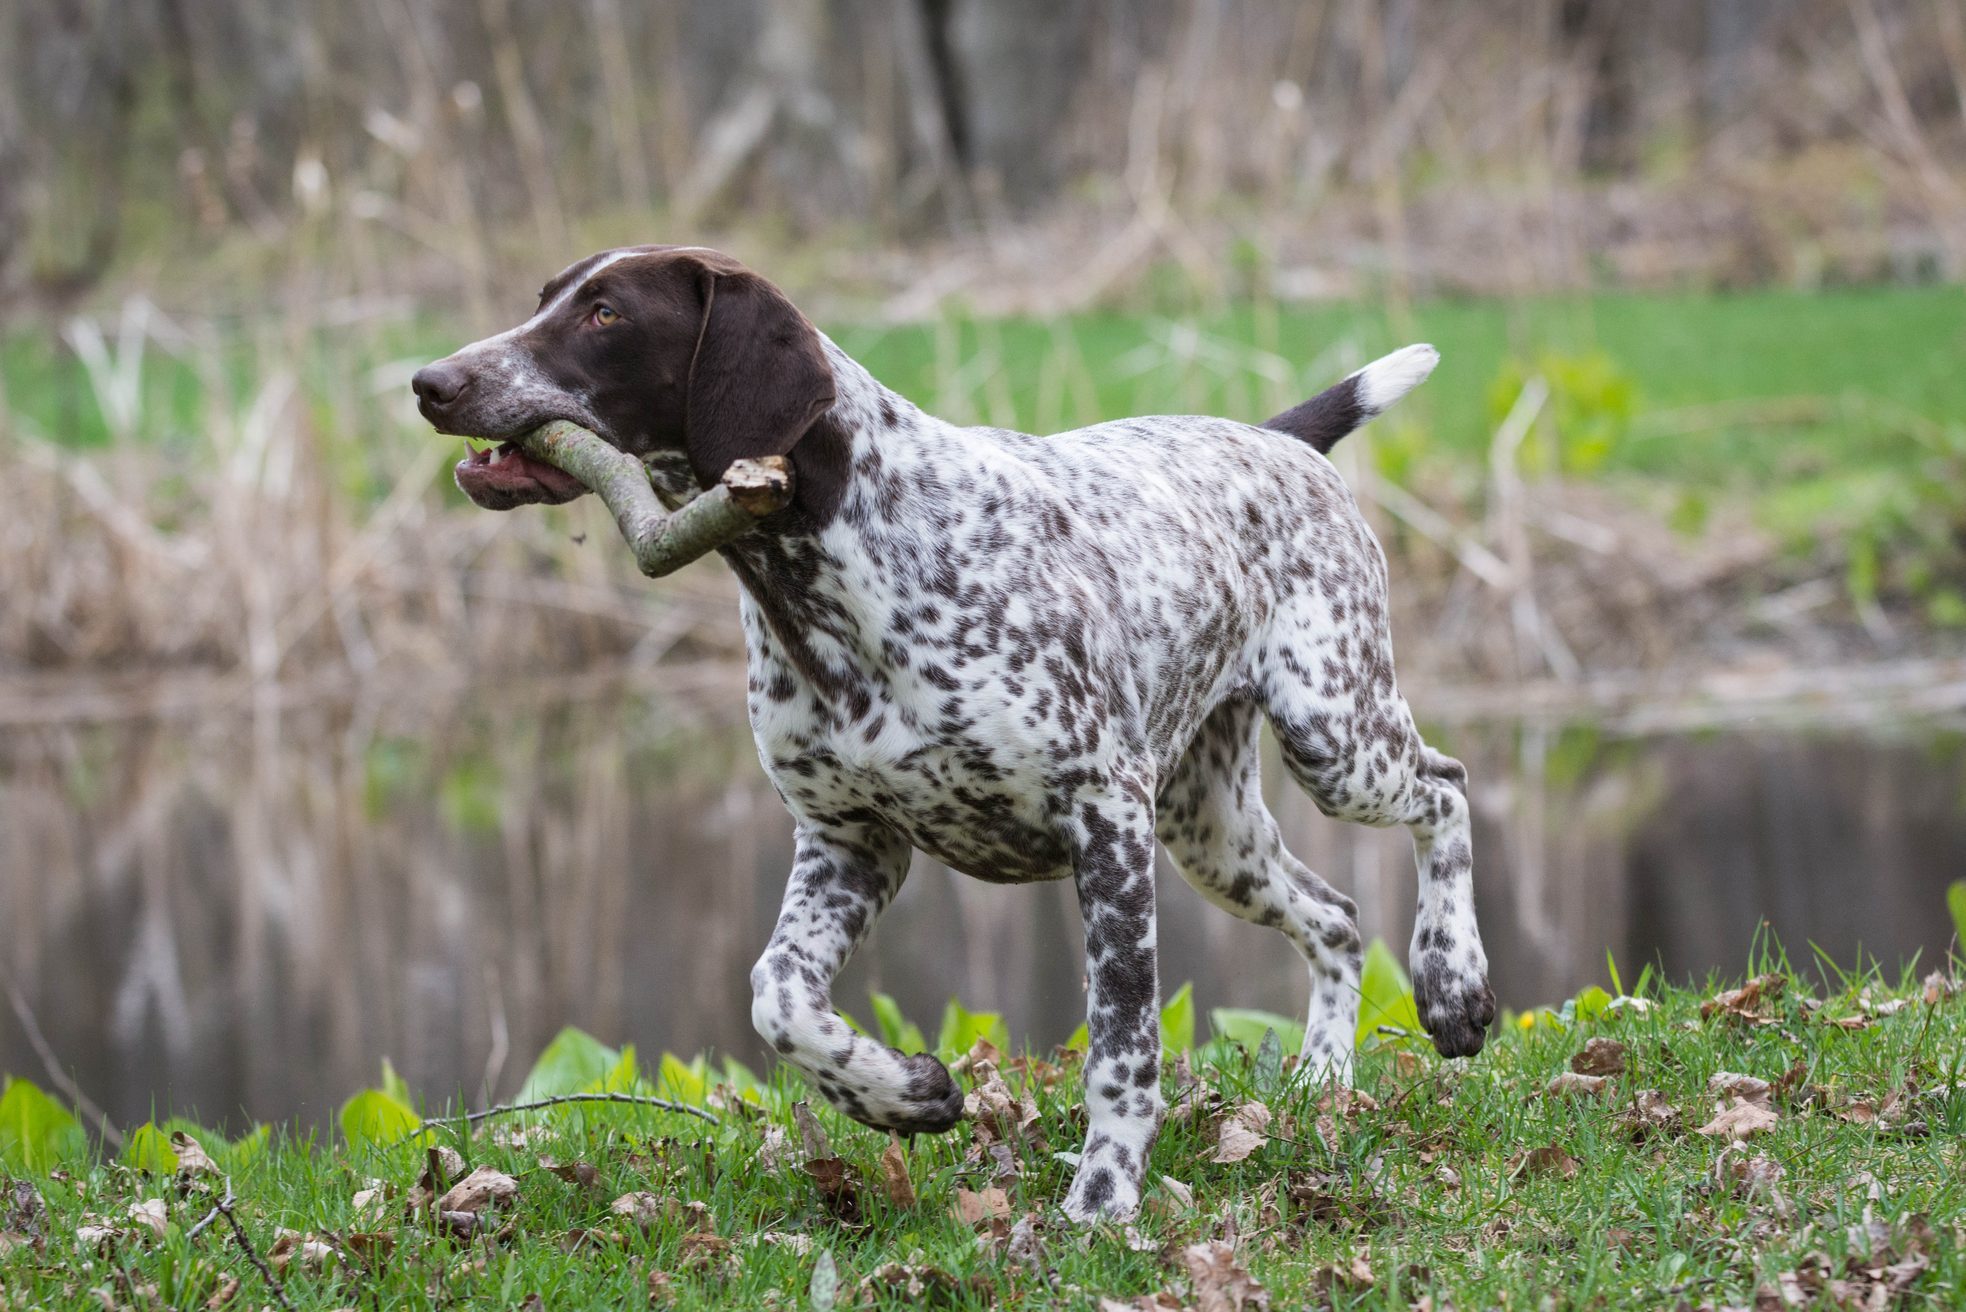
1800 403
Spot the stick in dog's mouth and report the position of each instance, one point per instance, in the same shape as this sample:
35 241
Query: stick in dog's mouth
560 454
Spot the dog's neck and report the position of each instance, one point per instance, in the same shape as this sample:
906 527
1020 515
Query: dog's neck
852 472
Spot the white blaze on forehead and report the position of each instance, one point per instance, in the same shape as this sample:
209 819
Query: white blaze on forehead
594 265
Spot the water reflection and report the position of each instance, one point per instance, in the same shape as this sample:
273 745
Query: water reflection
241 918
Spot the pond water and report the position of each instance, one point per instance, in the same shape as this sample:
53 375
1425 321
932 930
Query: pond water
239 918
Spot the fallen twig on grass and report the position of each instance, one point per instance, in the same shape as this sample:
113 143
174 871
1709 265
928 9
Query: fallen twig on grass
633 1099
662 542
223 1208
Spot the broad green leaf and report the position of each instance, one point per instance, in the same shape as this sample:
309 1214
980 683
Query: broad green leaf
1385 995
1956 902
742 1079
1177 1021
1081 1037
148 1149
374 1119
961 1028
36 1132
622 1077
1239 1025
1590 1004
393 1085
683 1081
573 1062
897 1031
243 1153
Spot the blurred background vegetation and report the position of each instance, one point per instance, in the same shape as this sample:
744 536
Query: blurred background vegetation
302 759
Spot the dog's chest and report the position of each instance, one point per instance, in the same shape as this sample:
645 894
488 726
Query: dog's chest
961 762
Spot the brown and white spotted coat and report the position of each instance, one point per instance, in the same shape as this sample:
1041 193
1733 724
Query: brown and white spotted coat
1029 657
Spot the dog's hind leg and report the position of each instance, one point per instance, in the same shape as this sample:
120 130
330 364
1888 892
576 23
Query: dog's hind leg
1224 841
1348 737
841 882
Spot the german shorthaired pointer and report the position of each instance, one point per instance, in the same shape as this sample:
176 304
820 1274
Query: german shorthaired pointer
1029 657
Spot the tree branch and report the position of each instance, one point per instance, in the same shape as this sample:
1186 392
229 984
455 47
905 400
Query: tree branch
662 542
633 1099
223 1208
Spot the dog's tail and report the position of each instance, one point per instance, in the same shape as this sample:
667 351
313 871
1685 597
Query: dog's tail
1358 398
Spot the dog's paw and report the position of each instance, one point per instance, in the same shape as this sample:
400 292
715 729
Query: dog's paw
1100 1193
932 1102
1455 1009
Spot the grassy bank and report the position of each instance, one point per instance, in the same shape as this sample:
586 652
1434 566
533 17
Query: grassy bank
1686 1147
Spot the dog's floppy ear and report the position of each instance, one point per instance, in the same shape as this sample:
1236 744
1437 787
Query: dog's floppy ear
758 379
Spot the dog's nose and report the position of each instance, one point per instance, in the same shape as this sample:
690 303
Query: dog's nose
439 384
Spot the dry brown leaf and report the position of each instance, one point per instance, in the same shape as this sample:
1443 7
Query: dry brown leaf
442 1165
1938 986
1183 1196
1651 1114
1727 1084
775 1150
1740 1003
371 1247
290 1246
704 1251
839 1187
228 1289
1600 1056
192 1159
1570 1084
483 1189
895 1183
1740 1119
642 1208
96 1235
1220 1285
151 1215
813 1136
662 1289
1353 1277
372 1200
1242 1132
973 1208
1547 1160
1748 1175
581 1175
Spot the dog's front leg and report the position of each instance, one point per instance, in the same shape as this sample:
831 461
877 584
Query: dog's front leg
1115 876
841 882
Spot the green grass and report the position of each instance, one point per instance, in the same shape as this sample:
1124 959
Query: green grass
1436 1186
1869 358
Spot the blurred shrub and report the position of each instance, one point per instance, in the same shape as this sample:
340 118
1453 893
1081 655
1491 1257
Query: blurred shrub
1586 420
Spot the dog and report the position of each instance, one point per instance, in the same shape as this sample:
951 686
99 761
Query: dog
1030 657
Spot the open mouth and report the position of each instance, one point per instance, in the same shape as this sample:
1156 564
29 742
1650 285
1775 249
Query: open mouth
501 477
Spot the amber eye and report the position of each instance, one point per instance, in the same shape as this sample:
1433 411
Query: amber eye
604 315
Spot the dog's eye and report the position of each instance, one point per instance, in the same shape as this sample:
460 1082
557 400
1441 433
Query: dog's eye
604 315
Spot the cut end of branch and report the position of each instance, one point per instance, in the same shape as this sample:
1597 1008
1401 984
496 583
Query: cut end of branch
760 487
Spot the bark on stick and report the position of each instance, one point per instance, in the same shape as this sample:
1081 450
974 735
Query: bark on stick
663 542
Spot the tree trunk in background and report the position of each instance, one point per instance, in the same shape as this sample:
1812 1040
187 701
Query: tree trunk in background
1011 72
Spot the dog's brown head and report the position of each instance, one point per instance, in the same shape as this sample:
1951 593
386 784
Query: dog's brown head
655 348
